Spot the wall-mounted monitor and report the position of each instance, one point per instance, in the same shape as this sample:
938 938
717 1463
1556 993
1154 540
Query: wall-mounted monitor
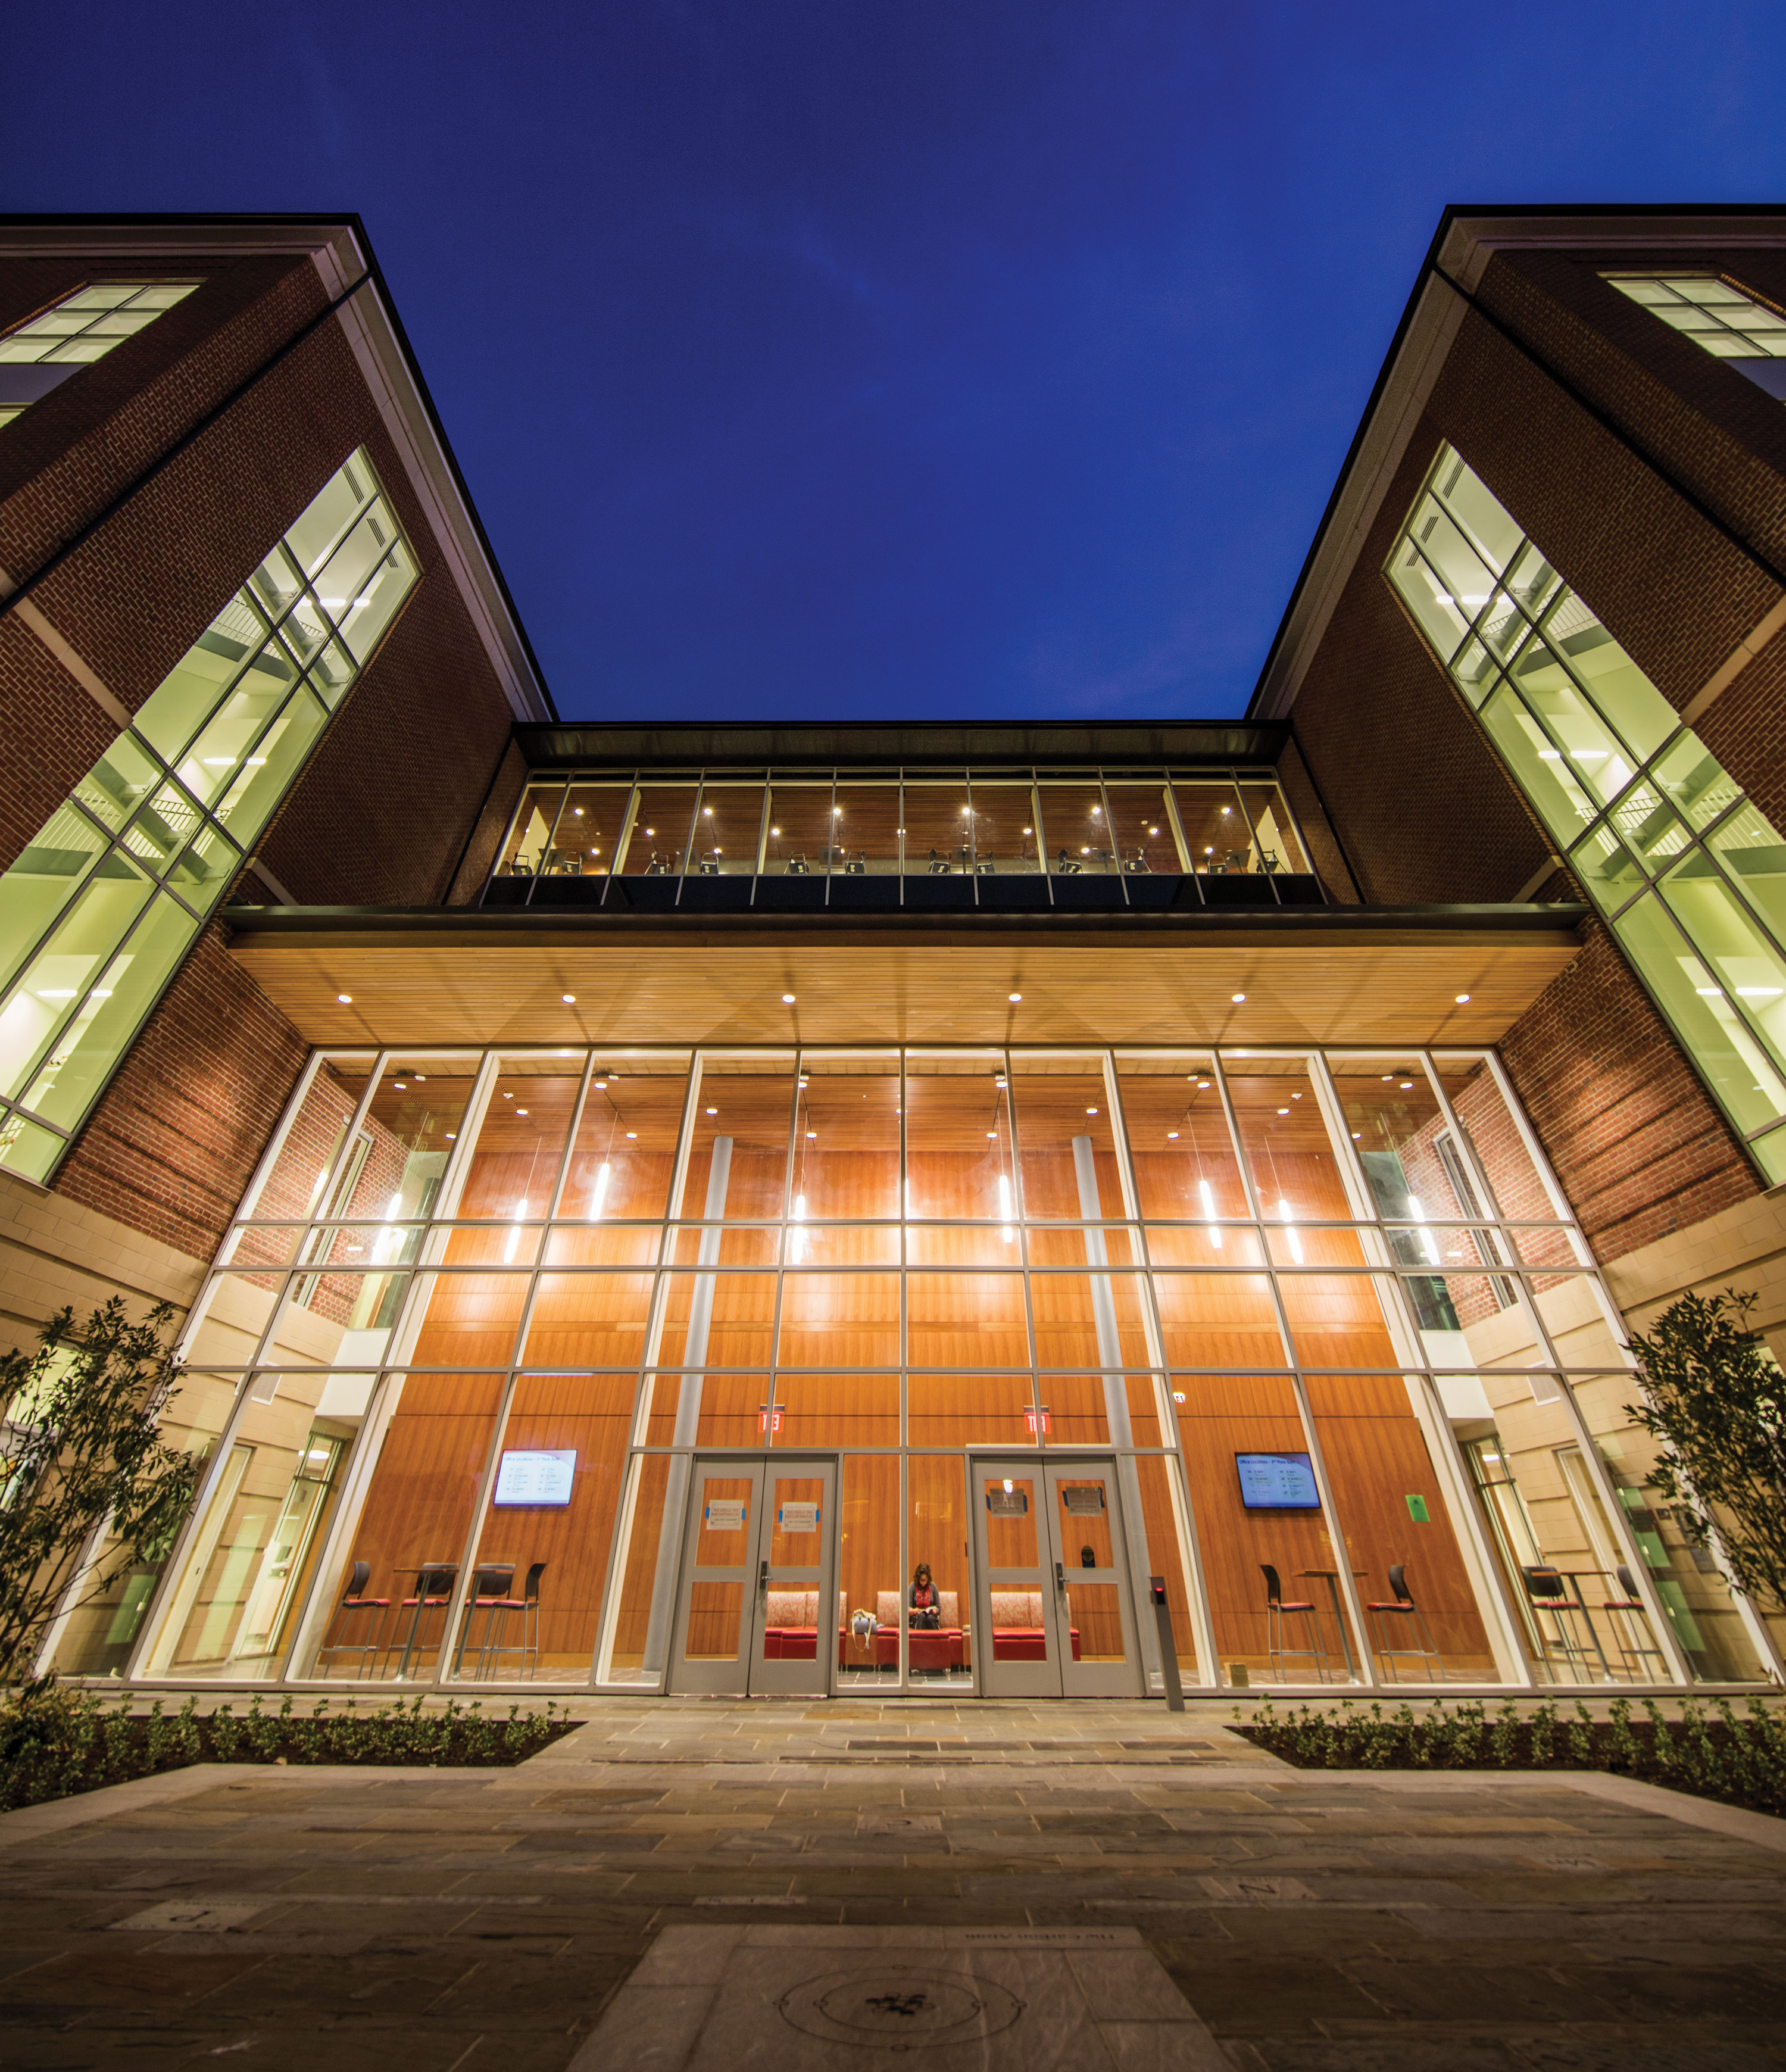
540 1478
1277 1482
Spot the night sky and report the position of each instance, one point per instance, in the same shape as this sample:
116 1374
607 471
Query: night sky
872 358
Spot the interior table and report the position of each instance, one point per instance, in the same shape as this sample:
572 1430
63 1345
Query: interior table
1330 1577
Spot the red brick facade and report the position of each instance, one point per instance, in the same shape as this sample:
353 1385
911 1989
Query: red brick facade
1421 802
383 813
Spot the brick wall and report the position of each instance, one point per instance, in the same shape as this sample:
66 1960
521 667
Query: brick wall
1636 1139
1417 794
382 812
171 1146
1420 800
70 454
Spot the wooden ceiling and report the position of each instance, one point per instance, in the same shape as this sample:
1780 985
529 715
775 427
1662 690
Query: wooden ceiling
1327 983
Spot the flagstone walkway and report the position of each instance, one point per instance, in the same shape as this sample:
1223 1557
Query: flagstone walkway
457 1921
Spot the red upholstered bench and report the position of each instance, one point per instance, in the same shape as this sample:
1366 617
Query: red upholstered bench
1018 1634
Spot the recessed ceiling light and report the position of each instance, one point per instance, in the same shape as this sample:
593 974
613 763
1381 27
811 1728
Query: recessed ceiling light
787 1000
811 1134
1463 1000
402 1086
1091 1110
1238 998
712 1111
631 1134
1172 1136
1014 997
992 1136
451 1134
569 999
1284 1111
1407 1086
346 999
520 1111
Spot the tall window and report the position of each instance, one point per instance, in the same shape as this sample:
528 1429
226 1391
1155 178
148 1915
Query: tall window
1690 876
81 327
1729 323
101 905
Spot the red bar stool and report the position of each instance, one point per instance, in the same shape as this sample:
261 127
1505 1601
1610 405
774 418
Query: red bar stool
354 1599
527 1604
1401 1605
1275 1610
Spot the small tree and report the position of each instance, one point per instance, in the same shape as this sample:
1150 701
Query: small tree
81 1449
1717 1410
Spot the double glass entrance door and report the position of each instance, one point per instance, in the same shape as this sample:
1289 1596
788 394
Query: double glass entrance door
757 1605
1052 1586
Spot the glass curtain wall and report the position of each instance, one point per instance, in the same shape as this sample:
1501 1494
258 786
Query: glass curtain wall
868 837
1688 872
1326 1315
106 899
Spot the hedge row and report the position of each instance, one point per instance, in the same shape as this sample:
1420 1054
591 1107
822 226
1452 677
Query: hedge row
55 1742
1716 1754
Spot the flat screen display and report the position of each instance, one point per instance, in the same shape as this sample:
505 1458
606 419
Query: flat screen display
534 1478
1277 1482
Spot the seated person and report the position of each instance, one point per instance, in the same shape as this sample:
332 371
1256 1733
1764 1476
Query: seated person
1069 866
925 1605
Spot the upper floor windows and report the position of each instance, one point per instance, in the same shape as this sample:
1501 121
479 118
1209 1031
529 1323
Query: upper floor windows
80 328
1690 876
1728 323
984 837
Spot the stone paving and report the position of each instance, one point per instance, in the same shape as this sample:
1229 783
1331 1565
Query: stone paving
455 1920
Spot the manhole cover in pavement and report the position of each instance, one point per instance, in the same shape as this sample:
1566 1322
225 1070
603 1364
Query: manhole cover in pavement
896 2009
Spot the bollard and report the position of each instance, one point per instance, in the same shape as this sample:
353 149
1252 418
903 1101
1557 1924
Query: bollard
1168 1652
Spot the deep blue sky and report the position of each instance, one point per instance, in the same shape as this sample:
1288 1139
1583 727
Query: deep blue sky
860 358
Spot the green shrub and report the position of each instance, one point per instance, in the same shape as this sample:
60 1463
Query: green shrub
55 1741
1740 1759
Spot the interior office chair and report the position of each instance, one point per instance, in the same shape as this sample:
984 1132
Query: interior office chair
491 1582
658 866
1401 1605
354 1599
984 868
520 868
1631 1627
1068 866
857 866
797 867
1275 1608
709 865
939 865
507 1607
1548 1590
1138 865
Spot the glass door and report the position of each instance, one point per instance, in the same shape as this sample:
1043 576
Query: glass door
756 1606
1052 1592
798 1621
716 1595
1099 1656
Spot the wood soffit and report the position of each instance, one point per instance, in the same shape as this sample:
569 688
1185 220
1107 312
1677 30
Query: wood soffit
1346 975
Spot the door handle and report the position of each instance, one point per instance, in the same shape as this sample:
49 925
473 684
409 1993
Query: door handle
762 1580
1060 1579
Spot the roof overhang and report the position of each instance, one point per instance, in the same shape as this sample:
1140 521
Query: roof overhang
1334 975
339 247
1466 239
